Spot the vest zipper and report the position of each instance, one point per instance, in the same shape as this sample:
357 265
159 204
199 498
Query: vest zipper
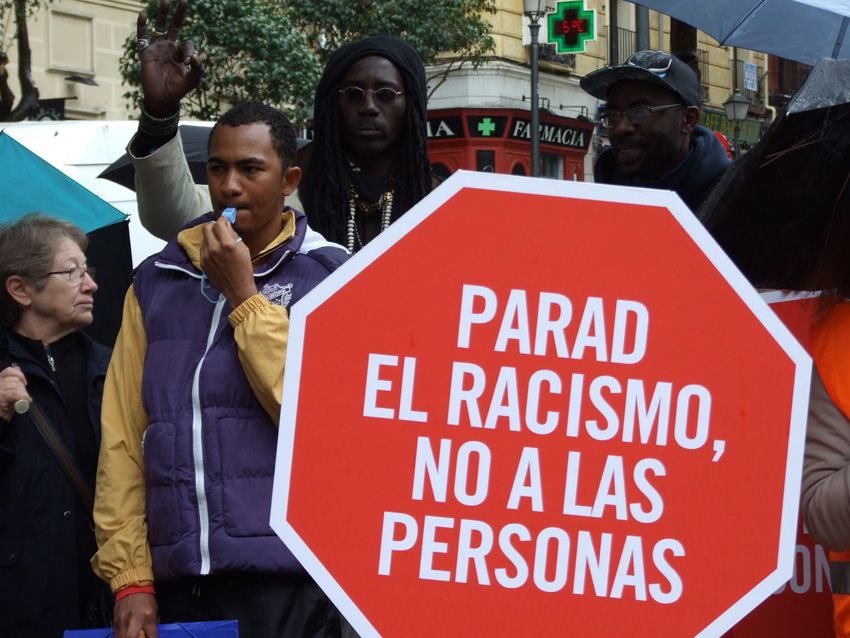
198 446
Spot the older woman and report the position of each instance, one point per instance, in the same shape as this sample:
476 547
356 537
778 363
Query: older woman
46 539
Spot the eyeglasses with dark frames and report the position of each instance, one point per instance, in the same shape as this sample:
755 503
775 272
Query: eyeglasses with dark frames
356 95
74 275
636 114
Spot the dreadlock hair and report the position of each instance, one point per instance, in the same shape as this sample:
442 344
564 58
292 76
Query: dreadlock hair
282 130
324 187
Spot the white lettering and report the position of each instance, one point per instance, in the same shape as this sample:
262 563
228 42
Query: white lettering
477 554
468 316
624 310
527 483
389 542
375 384
482 477
515 325
437 471
405 408
460 395
431 546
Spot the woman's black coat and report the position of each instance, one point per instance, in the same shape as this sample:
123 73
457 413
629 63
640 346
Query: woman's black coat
39 510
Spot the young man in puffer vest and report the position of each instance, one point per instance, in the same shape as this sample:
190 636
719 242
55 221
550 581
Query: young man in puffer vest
192 402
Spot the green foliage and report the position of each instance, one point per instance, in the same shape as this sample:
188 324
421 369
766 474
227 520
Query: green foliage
250 49
430 26
272 50
30 7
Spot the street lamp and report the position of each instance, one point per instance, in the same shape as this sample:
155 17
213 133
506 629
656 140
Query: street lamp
535 9
736 107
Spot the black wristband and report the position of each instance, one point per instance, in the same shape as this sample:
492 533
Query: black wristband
143 144
162 127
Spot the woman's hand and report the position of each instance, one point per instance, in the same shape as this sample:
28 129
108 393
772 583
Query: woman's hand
13 387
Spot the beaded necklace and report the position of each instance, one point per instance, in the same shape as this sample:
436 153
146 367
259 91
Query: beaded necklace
355 203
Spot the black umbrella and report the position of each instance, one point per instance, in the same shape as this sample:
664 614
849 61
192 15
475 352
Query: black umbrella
194 140
776 206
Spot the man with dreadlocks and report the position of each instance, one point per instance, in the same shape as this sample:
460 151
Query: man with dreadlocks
371 103
368 162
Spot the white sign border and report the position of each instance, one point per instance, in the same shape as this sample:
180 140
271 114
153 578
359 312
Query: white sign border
556 188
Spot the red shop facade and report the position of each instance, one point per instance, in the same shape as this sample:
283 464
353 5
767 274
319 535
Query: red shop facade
499 141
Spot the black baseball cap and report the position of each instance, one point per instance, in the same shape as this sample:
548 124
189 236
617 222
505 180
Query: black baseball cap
653 67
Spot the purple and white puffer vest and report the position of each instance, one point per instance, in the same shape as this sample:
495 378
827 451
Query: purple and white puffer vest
209 448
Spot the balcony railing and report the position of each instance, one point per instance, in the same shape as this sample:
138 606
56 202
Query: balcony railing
549 54
755 96
621 44
790 75
704 66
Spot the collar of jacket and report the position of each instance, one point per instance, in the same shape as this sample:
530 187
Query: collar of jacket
184 251
98 355
704 165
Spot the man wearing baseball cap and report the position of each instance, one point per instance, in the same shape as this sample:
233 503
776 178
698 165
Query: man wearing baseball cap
653 105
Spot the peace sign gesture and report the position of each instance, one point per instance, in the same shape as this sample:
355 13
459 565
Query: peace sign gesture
170 69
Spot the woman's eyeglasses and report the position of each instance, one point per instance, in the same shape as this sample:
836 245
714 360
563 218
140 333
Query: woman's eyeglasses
75 275
356 95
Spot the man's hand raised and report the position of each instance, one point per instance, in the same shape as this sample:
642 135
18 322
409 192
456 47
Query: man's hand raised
170 69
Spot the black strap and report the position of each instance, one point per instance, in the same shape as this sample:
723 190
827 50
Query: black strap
54 442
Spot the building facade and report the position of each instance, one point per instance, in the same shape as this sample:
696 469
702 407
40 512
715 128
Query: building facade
479 118
75 46
502 85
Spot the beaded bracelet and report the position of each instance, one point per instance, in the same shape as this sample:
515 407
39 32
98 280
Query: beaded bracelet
158 126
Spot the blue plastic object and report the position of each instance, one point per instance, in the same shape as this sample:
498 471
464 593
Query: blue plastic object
208 629
229 214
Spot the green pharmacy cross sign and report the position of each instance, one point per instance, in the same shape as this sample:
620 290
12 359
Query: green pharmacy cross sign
486 127
571 26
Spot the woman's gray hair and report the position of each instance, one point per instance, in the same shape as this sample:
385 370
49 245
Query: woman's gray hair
27 249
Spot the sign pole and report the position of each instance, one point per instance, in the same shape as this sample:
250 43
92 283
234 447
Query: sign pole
534 28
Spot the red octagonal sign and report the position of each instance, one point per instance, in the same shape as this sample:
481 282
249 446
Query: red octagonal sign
537 408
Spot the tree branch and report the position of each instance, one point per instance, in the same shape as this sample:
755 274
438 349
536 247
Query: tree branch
439 78
28 103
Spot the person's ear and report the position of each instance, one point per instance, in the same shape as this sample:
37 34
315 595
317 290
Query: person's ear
19 290
291 179
690 118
